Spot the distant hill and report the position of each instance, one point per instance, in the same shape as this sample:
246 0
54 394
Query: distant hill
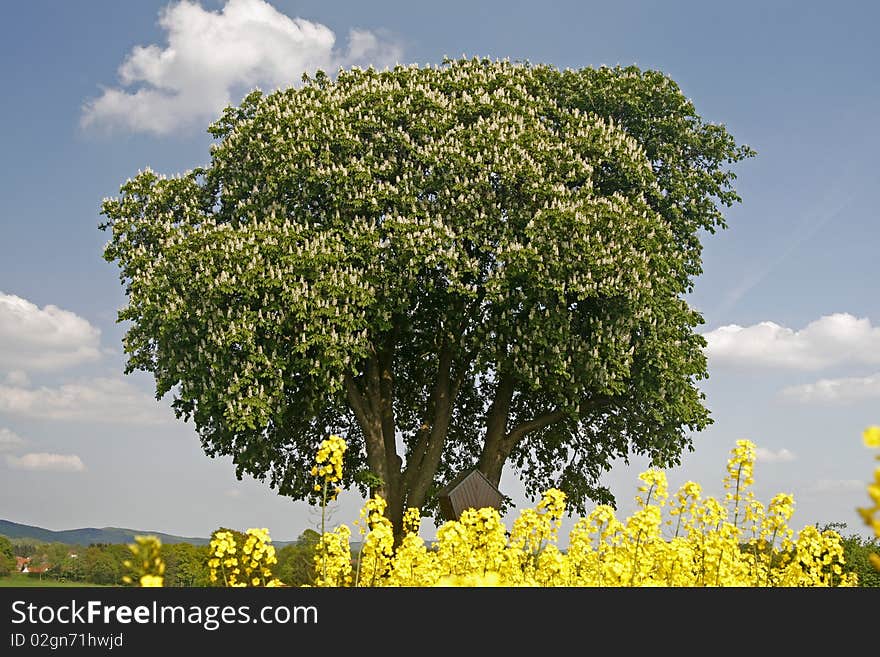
89 535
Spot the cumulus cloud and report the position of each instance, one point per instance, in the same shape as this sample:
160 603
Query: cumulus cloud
10 441
17 378
835 391
765 455
838 486
212 55
103 400
46 338
830 340
45 461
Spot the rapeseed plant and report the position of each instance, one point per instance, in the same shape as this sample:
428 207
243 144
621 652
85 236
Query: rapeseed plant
734 541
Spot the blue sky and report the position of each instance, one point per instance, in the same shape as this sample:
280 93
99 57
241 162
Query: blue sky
97 90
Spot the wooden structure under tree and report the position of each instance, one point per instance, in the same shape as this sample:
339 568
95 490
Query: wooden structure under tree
469 489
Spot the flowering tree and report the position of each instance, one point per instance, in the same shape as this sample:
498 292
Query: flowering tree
481 262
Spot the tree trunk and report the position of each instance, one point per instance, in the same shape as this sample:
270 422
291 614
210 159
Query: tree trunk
371 397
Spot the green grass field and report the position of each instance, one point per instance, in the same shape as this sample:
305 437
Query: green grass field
20 579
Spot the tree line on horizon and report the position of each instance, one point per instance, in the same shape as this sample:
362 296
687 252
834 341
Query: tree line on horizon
102 563
186 565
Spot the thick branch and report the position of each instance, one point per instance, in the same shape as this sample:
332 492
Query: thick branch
373 385
464 367
357 402
496 452
520 431
417 453
496 426
371 427
423 437
420 472
385 375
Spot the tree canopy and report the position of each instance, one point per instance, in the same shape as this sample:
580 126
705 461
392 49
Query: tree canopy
7 557
477 263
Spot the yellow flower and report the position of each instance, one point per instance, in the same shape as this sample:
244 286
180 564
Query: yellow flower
732 543
329 460
147 564
871 436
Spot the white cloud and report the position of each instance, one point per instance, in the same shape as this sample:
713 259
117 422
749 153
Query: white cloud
233 493
44 461
765 455
211 55
9 441
835 391
830 340
838 485
104 400
17 378
46 338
